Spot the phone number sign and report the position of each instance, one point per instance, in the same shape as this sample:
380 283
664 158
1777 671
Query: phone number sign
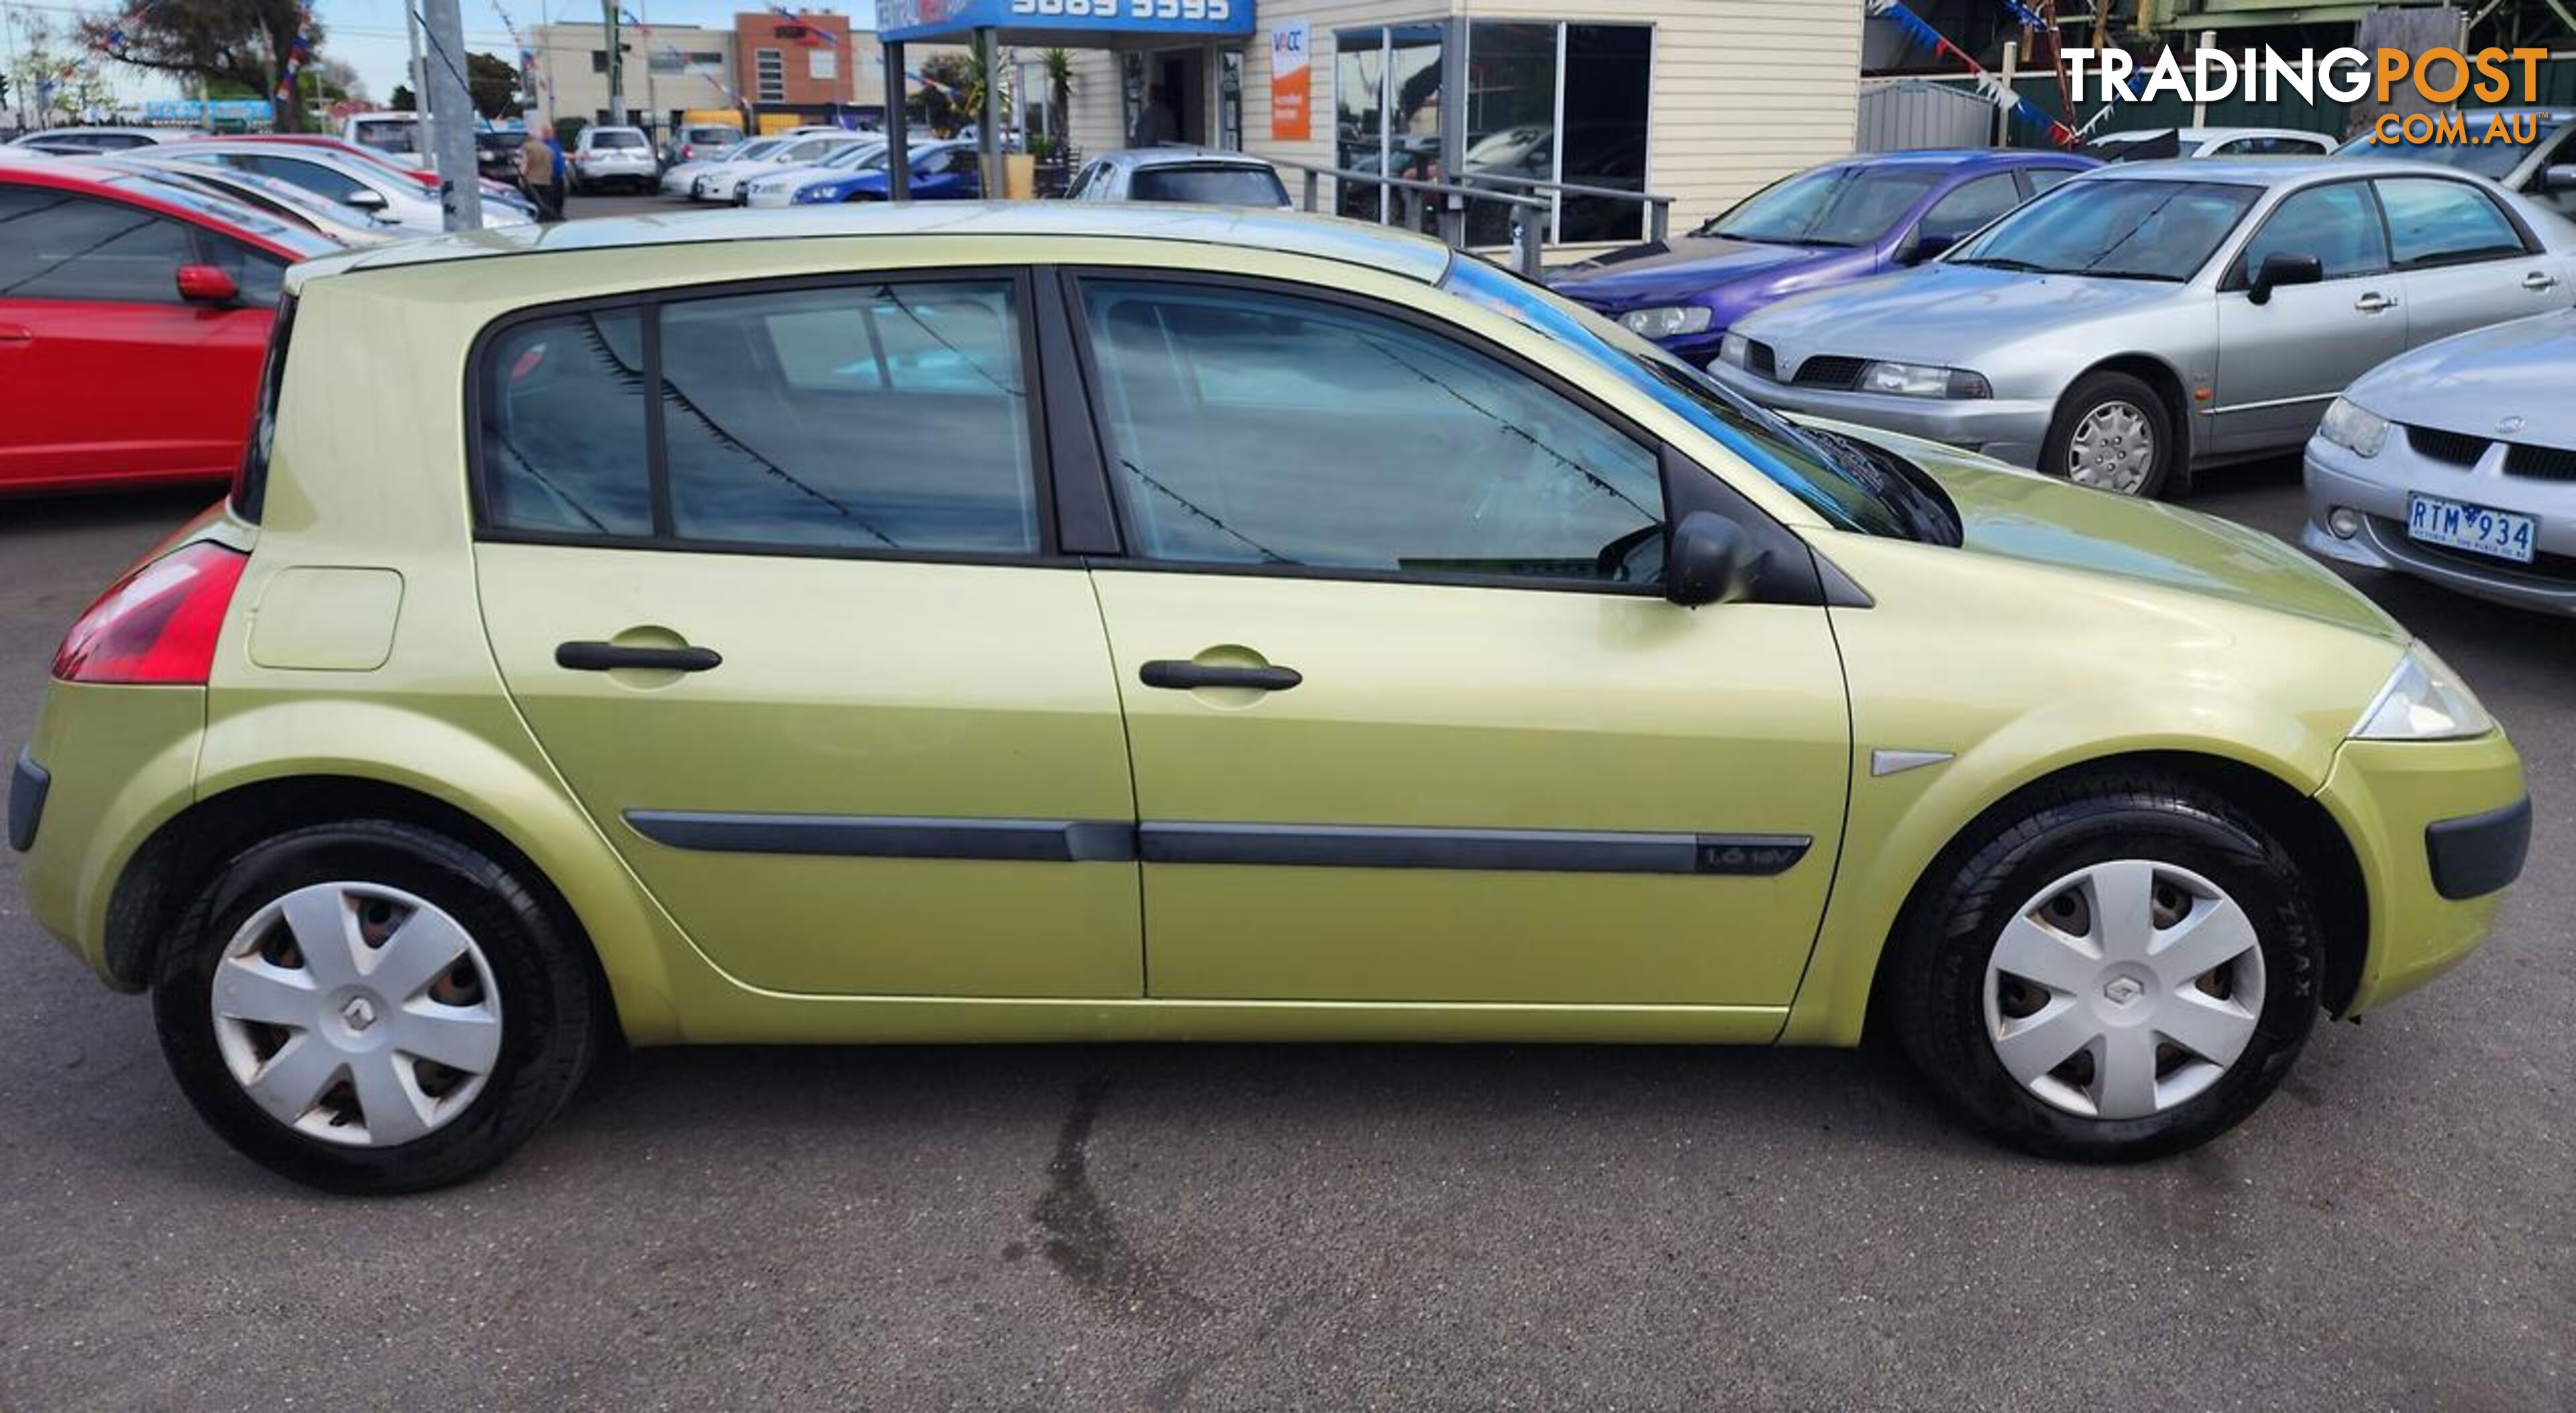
903 21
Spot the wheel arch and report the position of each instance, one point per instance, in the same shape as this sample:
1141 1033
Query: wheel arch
2170 389
2303 826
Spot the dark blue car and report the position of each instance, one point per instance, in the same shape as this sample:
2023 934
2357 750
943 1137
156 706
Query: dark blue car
1842 221
941 171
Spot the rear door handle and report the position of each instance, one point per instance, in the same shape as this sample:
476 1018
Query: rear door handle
2374 303
1183 676
610 657
2538 282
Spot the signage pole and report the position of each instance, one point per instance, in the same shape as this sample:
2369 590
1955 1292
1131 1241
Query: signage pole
898 128
451 117
988 127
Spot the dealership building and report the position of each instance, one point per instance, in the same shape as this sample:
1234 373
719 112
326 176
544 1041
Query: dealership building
1699 100
809 67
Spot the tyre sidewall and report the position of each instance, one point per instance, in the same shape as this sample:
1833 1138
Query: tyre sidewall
546 1015
2053 844
2097 389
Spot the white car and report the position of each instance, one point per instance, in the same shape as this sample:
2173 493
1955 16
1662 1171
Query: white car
610 156
91 141
2144 143
358 185
1181 174
677 178
401 136
721 182
780 189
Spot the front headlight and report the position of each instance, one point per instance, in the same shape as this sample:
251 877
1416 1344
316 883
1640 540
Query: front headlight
812 194
1923 380
1668 321
2423 701
1733 348
2356 431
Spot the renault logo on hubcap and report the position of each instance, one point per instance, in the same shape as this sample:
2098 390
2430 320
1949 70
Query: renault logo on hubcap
2123 990
358 1013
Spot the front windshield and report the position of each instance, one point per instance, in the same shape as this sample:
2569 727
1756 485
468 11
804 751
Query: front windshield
2135 230
755 149
1851 496
1847 205
857 154
2492 160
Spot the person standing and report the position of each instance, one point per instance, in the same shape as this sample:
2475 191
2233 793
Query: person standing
1154 125
537 176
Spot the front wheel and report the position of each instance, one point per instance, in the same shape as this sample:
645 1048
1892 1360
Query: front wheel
2113 433
373 1008
2115 969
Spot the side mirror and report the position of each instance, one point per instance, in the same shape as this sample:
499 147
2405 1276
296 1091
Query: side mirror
2558 177
204 284
365 200
1927 246
1710 561
2282 270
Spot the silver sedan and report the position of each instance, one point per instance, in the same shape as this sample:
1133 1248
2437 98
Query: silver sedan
2140 322
2457 464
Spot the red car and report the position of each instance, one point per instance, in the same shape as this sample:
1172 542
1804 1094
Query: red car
133 315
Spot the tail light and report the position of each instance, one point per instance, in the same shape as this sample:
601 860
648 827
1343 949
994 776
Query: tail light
158 623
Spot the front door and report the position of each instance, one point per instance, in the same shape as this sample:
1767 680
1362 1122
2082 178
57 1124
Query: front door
1409 720
2281 362
791 631
110 374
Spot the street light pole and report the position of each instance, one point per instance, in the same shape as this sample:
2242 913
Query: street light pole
616 64
450 118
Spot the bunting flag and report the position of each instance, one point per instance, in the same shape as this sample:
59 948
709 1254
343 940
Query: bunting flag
528 62
2030 18
812 37
948 91
298 54
1989 86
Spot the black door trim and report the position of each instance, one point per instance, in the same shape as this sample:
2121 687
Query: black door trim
891 836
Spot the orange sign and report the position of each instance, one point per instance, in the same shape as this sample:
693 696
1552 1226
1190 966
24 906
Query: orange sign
1291 85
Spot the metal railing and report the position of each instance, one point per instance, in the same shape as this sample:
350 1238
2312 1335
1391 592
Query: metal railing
1659 207
1529 224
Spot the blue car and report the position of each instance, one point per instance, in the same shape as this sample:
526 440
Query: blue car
1824 226
941 171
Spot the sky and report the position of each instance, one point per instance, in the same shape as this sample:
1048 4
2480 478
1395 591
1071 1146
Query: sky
368 34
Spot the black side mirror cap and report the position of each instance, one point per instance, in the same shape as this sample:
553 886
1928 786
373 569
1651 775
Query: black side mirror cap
1709 559
1929 247
2558 176
2282 270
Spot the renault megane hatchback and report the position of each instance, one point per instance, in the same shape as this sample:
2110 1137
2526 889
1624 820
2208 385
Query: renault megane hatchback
1071 622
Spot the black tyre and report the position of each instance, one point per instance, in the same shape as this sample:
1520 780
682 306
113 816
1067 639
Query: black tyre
2113 433
371 1007
2110 968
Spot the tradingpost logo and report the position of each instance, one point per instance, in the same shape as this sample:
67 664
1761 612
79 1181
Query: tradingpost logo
2441 77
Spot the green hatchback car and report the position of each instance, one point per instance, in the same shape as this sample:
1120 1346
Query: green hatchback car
1055 623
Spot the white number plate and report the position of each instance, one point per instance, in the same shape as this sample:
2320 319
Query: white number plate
2475 528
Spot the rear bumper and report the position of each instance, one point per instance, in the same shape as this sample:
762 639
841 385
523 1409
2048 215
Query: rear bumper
28 784
118 763
2007 430
2439 828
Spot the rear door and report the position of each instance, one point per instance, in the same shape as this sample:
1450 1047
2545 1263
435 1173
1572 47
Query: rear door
2467 263
2281 362
110 374
769 573
1410 721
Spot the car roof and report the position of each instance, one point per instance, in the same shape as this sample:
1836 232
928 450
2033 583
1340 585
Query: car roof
1961 157
125 129
1376 247
1183 157
2268 171
2214 134
135 186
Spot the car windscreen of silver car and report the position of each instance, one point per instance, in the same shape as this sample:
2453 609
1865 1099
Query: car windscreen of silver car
2135 230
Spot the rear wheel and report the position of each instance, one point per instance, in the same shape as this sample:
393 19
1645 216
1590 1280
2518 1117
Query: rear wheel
374 1008
2120 969
2113 433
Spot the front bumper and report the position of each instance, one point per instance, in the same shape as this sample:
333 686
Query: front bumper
768 200
2008 430
2439 828
2377 489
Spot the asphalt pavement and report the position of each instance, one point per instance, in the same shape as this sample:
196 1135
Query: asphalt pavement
1334 1228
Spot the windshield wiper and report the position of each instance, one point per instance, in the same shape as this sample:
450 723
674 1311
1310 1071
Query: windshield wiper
2006 262
1927 516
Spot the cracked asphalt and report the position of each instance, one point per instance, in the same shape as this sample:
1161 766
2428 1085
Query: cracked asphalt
1337 1228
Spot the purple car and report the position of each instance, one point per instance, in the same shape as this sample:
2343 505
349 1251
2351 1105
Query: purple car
1826 225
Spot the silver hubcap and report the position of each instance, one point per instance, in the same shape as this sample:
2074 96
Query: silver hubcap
357 1014
2124 989
2114 449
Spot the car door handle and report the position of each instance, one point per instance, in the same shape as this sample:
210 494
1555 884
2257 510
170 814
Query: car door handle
1184 676
2540 282
2374 303
612 657
16 334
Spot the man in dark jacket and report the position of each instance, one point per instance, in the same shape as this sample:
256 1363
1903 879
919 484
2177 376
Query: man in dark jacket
1154 126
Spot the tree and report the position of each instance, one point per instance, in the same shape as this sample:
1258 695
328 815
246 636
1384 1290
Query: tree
241 41
1058 64
404 100
950 93
493 85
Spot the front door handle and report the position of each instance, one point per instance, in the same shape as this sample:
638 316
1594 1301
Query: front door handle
1184 676
612 657
2374 303
2540 282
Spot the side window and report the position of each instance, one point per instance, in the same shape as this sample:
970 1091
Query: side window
1969 207
2338 224
1082 185
60 246
883 417
1249 427
2042 178
2435 222
563 426
260 276
312 176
